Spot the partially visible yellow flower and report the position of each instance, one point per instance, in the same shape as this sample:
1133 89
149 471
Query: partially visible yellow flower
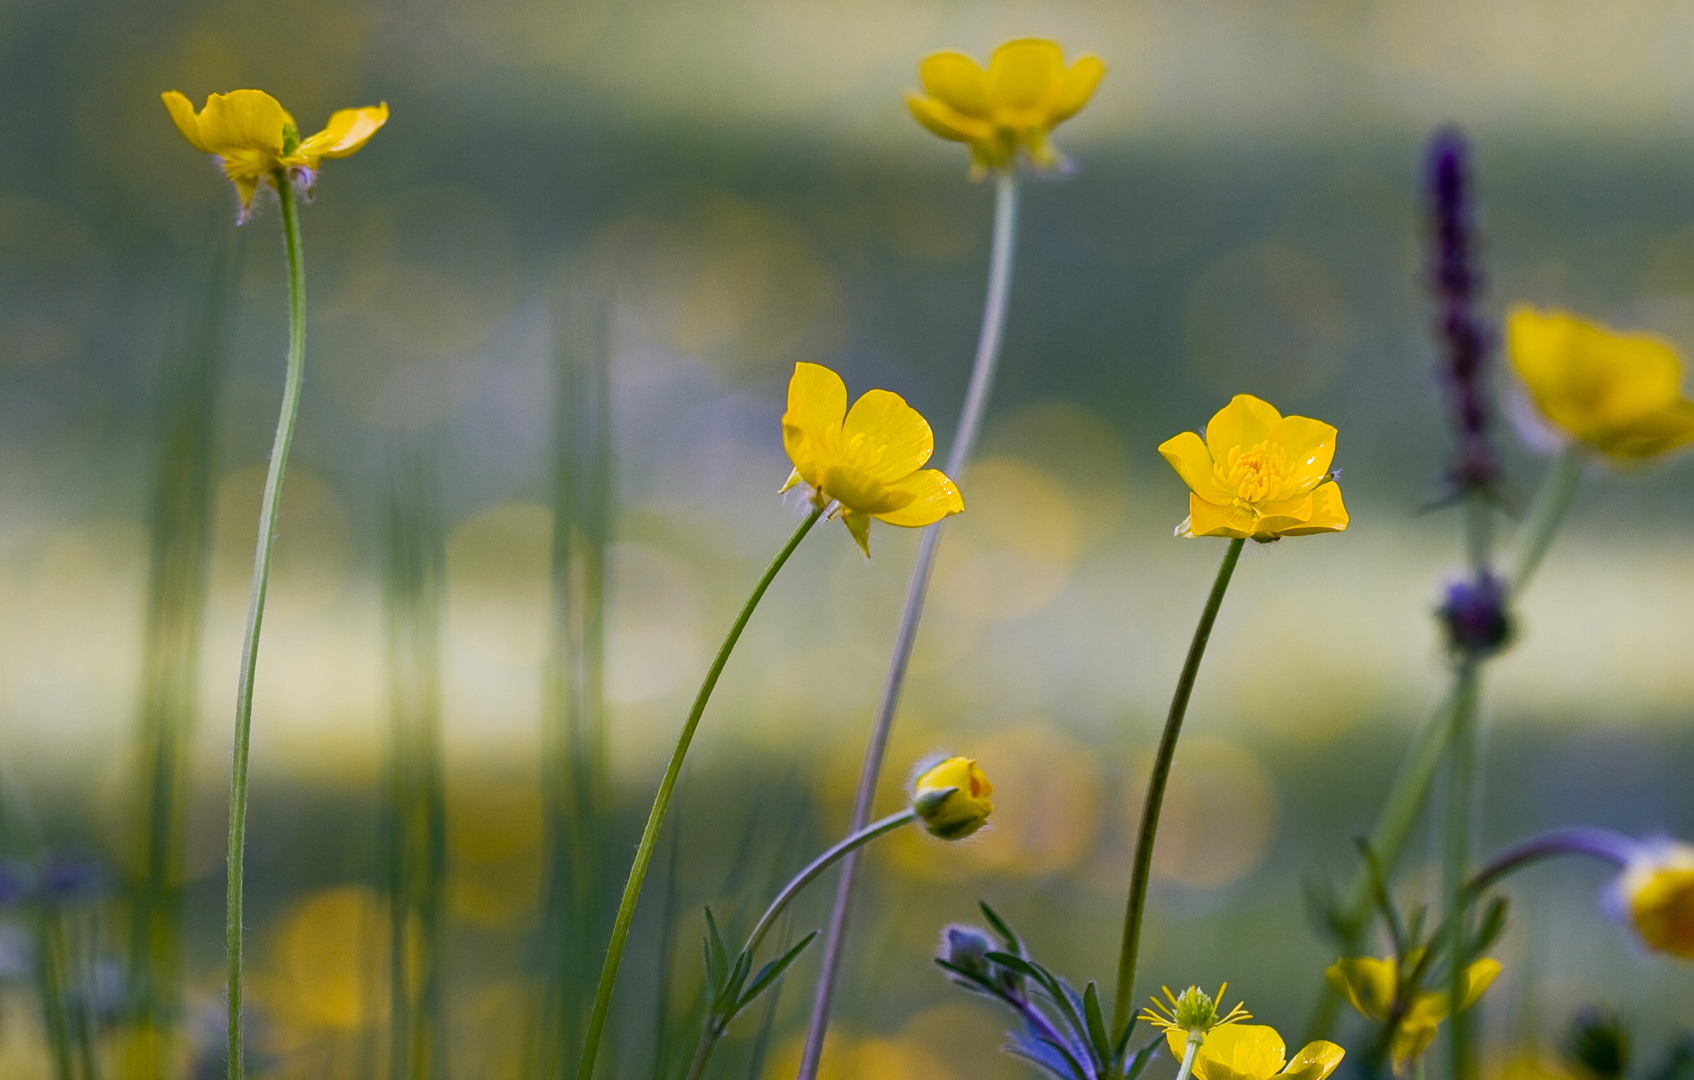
869 461
1373 986
256 138
1255 1052
952 798
1258 474
1026 92
1619 394
1656 891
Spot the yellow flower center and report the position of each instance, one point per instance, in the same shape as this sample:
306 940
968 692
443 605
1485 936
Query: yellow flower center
1256 474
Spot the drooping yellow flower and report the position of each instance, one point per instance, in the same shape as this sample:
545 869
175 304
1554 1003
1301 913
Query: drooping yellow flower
1619 394
1258 474
869 461
256 138
1373 986
1026 92
952 799
1254 1052
1656 891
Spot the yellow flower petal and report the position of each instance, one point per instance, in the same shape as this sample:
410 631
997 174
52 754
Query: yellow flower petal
942 121
1478 977
1236 1051
1369 983
1212 519
1315 1061
859 524
1245 422
1025 74
1659 898
885 437
182 114
346 133
1310 445
934 497
244 120
1329 513
811 428
955 80
1078 87
1188 455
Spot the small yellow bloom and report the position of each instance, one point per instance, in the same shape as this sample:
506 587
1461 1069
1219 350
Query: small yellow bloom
1026 92
1255 1052
869 461
1619 394
1657 894
1373 987
952 798
1258 474
256 138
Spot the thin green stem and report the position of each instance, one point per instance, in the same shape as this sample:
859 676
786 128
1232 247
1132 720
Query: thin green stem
1189 1053
1000 260
1546 512
1143 870
1460 825
236 864
662 802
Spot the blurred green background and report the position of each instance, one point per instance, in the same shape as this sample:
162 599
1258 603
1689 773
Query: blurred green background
742 179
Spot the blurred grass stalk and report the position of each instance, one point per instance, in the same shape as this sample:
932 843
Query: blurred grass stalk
574 784
179 533
414 833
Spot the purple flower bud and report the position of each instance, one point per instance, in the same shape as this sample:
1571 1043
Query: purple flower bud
1467 340
68 879
1475 615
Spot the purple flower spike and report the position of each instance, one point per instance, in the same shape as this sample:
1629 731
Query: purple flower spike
1466 338
1475 615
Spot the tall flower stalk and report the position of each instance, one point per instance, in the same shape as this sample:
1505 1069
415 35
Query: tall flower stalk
856 464
1003 115
258 144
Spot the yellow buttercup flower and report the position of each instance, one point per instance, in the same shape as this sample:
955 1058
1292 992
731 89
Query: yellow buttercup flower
1373 986
256 138
952 798
1026 92
1618 394
1194 1013
1254 1052
868 461
1657 894
1258 474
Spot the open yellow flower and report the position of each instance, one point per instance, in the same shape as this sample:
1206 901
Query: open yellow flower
868 461
1373 986
1254 1052
1619 394
1258 474
1656 891
1026 92
256 138
952 799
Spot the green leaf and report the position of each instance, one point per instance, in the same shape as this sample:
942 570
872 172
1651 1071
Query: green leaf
773 971
1049 984
1123 1040
1000 927
1493 924
717 955
1142 1057
1096 1024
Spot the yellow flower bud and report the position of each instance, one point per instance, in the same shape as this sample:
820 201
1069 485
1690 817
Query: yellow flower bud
1656 892
952 798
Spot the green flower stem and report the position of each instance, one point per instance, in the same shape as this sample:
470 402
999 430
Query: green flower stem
1459 826
1000 261
662 802
714 1031
1546 512
1190 1051
235 868
1137 905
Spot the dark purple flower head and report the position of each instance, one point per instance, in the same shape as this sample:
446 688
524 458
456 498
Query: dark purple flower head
1467 341
66 879
13 884
1475 615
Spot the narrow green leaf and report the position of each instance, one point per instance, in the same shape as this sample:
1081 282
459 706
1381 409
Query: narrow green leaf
1000 927
1142 1057
1097 1036
773 971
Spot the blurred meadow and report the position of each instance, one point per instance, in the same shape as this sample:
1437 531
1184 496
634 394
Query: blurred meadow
553 312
